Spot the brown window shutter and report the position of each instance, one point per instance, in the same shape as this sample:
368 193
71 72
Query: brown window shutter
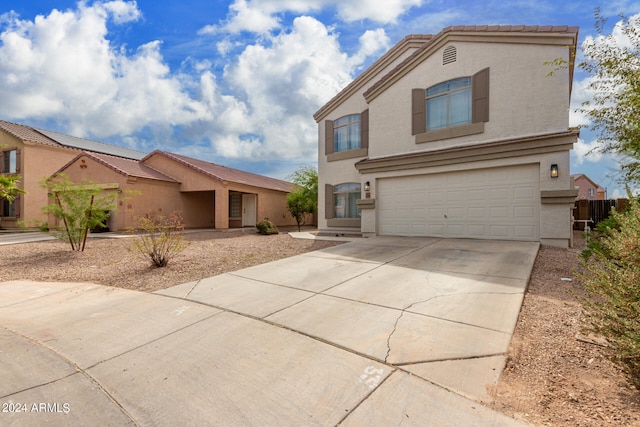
480 95
328 201
364 129
328 137
17 203
17 160
418 112
1 161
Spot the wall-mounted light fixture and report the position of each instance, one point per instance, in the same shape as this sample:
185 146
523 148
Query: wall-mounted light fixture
367 190
554 171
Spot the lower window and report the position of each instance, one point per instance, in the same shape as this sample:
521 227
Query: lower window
344 200
8 208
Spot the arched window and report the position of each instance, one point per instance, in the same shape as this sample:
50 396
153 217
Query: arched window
346 133
449 103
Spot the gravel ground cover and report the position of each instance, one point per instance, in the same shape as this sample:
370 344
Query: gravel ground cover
110 261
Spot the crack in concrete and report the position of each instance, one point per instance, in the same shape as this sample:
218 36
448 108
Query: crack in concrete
395 325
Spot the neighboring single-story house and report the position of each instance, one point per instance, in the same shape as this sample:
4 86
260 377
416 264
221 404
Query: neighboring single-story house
461 134
34 155
206 194
587 189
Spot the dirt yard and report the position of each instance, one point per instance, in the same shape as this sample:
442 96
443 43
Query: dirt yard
554 375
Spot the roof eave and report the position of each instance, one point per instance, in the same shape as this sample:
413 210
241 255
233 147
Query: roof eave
408 42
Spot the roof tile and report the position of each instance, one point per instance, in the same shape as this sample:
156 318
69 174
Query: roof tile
225 173
26 133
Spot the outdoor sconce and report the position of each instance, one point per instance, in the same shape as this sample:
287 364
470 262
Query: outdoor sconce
554 171
367 190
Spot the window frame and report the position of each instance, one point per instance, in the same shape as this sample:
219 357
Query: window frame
10 163
479 112
447 96
351 125
330 209
348 190
329 137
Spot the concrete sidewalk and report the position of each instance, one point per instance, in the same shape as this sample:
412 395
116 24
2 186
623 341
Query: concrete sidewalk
374 332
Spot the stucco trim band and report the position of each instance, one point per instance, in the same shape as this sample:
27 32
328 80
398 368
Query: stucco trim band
533 145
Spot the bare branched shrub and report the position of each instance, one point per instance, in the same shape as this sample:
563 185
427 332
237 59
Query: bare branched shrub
161 237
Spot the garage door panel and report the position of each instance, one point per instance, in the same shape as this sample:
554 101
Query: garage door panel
499 212
500 203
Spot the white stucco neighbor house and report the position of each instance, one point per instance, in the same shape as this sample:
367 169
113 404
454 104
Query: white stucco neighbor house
462 134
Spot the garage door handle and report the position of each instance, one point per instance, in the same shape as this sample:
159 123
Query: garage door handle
445 215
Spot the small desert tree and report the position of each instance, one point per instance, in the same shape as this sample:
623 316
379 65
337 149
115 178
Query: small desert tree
80 207
303 200
161 239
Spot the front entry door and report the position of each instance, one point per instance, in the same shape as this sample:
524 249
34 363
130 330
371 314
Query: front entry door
248 210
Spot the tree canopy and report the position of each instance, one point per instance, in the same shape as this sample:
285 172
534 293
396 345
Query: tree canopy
9 189
613 63
303 200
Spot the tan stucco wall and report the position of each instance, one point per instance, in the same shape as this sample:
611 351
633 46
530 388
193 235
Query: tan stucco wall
134 197
37 162
270 203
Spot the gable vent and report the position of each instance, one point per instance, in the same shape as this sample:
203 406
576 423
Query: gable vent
449 55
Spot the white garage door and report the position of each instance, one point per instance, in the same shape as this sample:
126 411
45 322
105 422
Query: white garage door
501 203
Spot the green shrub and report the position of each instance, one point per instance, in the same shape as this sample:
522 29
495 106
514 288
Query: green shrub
161 238
266 227
80 207
612 282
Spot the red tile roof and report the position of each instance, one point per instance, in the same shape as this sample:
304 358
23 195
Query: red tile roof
224 173
126 167
26 133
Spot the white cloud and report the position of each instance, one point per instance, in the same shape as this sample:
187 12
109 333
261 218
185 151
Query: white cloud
371 42
261 16
244 17
62 67
586 152
579 94
284 83
357 10
122 11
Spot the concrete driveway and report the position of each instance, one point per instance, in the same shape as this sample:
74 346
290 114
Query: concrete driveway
381 331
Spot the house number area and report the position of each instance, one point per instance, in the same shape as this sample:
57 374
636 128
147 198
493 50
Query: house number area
371 376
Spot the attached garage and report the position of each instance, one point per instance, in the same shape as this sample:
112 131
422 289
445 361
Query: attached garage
498 203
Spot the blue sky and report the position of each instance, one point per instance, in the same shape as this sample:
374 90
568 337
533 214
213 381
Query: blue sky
234 82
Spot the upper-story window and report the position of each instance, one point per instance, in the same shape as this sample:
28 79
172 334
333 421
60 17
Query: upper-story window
10 161
347 137
449 103
592 192
450 109
346 133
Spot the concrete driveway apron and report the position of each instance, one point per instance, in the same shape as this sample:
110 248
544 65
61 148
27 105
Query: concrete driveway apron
378 331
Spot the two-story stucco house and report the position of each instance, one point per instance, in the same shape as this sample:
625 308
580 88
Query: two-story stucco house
463 134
